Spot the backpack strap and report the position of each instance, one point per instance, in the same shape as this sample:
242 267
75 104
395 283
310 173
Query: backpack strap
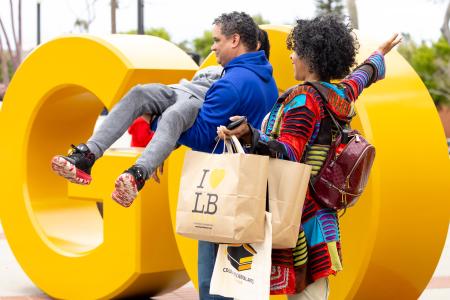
320 90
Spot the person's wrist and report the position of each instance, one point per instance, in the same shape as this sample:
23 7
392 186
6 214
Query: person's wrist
247 136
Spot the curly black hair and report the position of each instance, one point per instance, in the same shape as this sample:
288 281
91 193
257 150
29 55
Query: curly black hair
327 44
242 24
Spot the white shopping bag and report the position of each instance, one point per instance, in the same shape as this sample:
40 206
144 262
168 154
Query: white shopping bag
242 271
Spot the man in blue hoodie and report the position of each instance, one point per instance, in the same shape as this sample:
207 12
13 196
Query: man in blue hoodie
247 88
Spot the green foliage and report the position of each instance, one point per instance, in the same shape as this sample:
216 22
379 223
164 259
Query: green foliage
432 63
260 20
157 31
329 6
10 69
185 46
202 45
82 24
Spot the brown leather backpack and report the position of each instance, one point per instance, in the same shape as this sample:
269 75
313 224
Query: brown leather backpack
343 176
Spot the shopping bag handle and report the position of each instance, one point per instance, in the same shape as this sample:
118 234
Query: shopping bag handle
232 145
228 147
236 144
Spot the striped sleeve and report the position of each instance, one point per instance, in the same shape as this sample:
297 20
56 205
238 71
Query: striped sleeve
372 70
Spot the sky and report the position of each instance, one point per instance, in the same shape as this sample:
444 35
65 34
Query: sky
185 20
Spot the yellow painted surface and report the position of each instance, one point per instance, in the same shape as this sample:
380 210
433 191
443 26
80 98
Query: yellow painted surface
391 239
53 227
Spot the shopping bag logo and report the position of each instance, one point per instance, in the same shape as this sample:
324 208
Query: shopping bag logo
240 256
216 176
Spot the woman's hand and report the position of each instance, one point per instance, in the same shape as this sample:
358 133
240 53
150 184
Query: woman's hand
242 131
389 44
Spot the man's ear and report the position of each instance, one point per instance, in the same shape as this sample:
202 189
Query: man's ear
235 40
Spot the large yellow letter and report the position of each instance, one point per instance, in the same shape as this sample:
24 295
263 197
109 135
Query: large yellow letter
53 227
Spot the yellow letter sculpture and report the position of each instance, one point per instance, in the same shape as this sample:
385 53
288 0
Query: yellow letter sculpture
392 238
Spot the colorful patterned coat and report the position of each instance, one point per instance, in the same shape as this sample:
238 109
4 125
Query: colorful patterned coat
293 125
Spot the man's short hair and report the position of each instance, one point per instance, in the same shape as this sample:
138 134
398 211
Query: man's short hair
240 23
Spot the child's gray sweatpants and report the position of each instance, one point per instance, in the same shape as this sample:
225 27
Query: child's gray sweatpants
178 110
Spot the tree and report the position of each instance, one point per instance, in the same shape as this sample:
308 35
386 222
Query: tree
114 6
9 63
157 31
329 6
260 20
432 63
353 13
445 27
202 45
84 23
185 45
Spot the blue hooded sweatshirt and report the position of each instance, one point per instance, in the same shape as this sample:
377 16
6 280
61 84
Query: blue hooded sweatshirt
247 89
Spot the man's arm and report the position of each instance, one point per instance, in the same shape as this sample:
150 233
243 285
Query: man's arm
221 102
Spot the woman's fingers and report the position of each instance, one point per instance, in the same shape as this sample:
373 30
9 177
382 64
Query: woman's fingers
222 132
241 130
389 44
396 41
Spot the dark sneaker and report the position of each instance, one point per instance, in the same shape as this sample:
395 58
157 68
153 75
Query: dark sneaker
76 167
128 184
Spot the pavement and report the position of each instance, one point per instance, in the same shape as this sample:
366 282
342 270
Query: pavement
15 284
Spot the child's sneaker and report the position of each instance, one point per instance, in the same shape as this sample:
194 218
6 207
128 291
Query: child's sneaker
76 167
128 184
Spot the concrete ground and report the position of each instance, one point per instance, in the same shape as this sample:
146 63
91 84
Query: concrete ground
15 284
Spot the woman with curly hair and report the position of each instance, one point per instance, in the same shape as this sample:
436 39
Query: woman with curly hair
299 128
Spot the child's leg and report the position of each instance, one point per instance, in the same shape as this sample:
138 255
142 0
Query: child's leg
150 98
174 121
153 99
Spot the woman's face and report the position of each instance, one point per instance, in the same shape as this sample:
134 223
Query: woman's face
300 67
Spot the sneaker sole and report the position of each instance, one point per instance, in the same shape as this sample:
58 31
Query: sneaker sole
67 170
126 190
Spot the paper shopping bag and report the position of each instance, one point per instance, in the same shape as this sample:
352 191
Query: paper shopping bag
288 182
242 271
222 197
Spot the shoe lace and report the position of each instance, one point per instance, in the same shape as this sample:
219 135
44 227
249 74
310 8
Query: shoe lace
76 152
